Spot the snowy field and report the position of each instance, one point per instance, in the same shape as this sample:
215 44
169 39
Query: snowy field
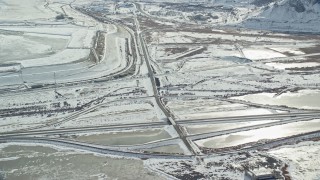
27 46
123 112
176 89
45 46
14 10
300 166
208 108
52 162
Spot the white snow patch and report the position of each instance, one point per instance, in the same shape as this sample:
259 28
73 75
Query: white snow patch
256 54
82 38
303 159
65 56
292 65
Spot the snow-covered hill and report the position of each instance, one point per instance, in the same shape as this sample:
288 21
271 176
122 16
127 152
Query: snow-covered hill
287 15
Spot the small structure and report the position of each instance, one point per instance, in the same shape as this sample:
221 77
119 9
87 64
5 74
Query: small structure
250 175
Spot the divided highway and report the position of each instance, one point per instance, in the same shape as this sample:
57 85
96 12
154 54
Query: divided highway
139 40
146 56
91 148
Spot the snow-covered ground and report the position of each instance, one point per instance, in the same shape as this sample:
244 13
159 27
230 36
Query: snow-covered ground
79 64
255 54
56 107
64 57
46 46
14 10
82 38
123 112
208 108
54 162
302 159
29 45
288 15
284 66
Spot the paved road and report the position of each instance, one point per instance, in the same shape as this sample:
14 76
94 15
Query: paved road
233 101
146 56
92 148
234 119
71 73
15 137
141 46
81 129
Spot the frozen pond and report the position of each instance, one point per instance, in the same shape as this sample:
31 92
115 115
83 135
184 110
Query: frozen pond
197 129
273 132
305 99
16 46
36 162
125 138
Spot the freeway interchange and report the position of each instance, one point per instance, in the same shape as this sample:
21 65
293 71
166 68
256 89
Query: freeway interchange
86 97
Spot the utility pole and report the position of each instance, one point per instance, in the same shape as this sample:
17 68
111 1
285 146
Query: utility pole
20 74
55 82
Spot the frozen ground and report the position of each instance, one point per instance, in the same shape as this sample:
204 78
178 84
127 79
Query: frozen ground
45 46
36 162
301 159
287 15
28 46
209 108
14 10
79 74
121 112
284 66
126 137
